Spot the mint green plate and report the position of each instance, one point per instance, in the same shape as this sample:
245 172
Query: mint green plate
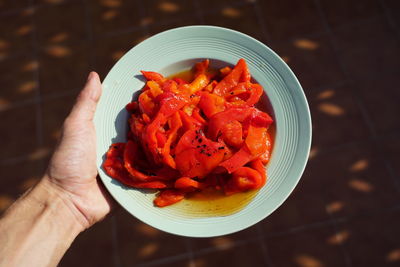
173 51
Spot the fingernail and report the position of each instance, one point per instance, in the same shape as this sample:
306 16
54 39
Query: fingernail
91 74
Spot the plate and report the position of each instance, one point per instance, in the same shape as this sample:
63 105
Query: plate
175 50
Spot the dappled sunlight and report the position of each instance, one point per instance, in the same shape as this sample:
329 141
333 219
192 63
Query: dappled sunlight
147 230
5 202
361 186
23 30
28 11
30 66
28 183
326 94
359 165
27 87
117 55
168 7
59 37
335 206
304 260
393 255
111 3
146 21
56 134
110 14
39 153
313 152
338 238
148 250
331 109
305 44
286 59
231 12
4 44
222 242
58 51
4 104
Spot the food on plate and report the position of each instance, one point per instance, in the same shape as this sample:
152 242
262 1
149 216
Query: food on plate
187 135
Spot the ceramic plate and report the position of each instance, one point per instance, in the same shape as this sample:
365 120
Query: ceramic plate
178 49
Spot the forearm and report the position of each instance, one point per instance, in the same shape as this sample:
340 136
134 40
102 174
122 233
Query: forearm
38 228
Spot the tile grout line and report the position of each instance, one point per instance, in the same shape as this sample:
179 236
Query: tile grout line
114 238
389 18
199 12
260 20
89 34
264 246
35 55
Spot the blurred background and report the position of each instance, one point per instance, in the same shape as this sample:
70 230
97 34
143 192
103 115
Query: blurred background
346 54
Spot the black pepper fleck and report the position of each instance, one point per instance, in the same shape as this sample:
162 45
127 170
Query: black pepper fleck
221 147
200 140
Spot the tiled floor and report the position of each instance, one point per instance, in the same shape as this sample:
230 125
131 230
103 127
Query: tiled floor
345 211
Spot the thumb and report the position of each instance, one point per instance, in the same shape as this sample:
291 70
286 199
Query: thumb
86 103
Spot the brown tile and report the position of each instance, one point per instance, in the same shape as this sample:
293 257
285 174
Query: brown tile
94 247
368 49
355 181
17 177
344 12
391 148
17 80
63 67
335 108
50 2
16 33
241 18
224 242
18 134
393 8
114 15
7 5
157 28
59 23
210 5
248 254
373 241
162 11
380 96
287 19
305 205
108 51
306 55
311 247
54 113
139 242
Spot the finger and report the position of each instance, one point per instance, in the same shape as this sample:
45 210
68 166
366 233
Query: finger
85 105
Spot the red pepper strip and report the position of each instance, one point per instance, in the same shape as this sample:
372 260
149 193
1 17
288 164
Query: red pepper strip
256 140
195 155
198 83
114 166
169 104
132 107
130 154
243 179
180 81
232 79
196 115
258 165
168 197
260 119
218 120
136 125
175 124
238 159
152 76
186 183
201 67
267 154
146 103
232 133
211 104
246 76
225 71
252 89
170 86
188 122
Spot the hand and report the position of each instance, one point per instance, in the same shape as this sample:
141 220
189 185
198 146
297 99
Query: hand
72 169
